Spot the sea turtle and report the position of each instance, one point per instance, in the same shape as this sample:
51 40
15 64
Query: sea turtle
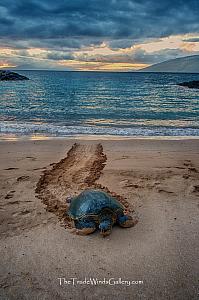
94 209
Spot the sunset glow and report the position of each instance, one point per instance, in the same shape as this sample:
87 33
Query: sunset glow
135 36
4 65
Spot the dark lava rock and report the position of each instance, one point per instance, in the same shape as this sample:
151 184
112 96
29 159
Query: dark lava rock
8 75
190 84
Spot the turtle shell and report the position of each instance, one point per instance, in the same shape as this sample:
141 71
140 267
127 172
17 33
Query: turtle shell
92 202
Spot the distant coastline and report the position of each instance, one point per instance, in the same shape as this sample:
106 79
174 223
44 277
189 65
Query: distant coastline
187 64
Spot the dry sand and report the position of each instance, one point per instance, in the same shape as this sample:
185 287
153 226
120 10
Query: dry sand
158 178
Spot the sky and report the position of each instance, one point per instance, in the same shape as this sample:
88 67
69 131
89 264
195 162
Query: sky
96 35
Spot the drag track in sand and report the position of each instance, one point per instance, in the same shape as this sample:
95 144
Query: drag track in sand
80 170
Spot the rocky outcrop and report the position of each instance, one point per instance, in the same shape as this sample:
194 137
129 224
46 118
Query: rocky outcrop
8 75
190 84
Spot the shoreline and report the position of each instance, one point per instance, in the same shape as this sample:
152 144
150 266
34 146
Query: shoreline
86 137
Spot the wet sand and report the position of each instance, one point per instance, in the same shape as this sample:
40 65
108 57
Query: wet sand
158 178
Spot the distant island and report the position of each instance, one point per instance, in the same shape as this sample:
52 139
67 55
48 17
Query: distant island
188 64
190 84
9 76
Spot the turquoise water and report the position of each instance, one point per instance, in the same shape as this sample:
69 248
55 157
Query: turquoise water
74 103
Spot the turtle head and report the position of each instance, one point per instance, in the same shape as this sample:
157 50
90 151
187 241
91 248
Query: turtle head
105 226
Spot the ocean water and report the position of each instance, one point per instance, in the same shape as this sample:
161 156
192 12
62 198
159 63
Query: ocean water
56 103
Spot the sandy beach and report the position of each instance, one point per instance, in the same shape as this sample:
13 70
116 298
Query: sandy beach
158 178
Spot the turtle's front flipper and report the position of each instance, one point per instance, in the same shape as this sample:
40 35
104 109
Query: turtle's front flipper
84 227
85 231
126 221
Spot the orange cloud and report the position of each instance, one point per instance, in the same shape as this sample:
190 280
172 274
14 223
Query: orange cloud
189 47
6 65
101 57
101 66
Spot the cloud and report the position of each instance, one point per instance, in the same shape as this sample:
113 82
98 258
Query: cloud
136 55
192 40
114 19
65 30
59 56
